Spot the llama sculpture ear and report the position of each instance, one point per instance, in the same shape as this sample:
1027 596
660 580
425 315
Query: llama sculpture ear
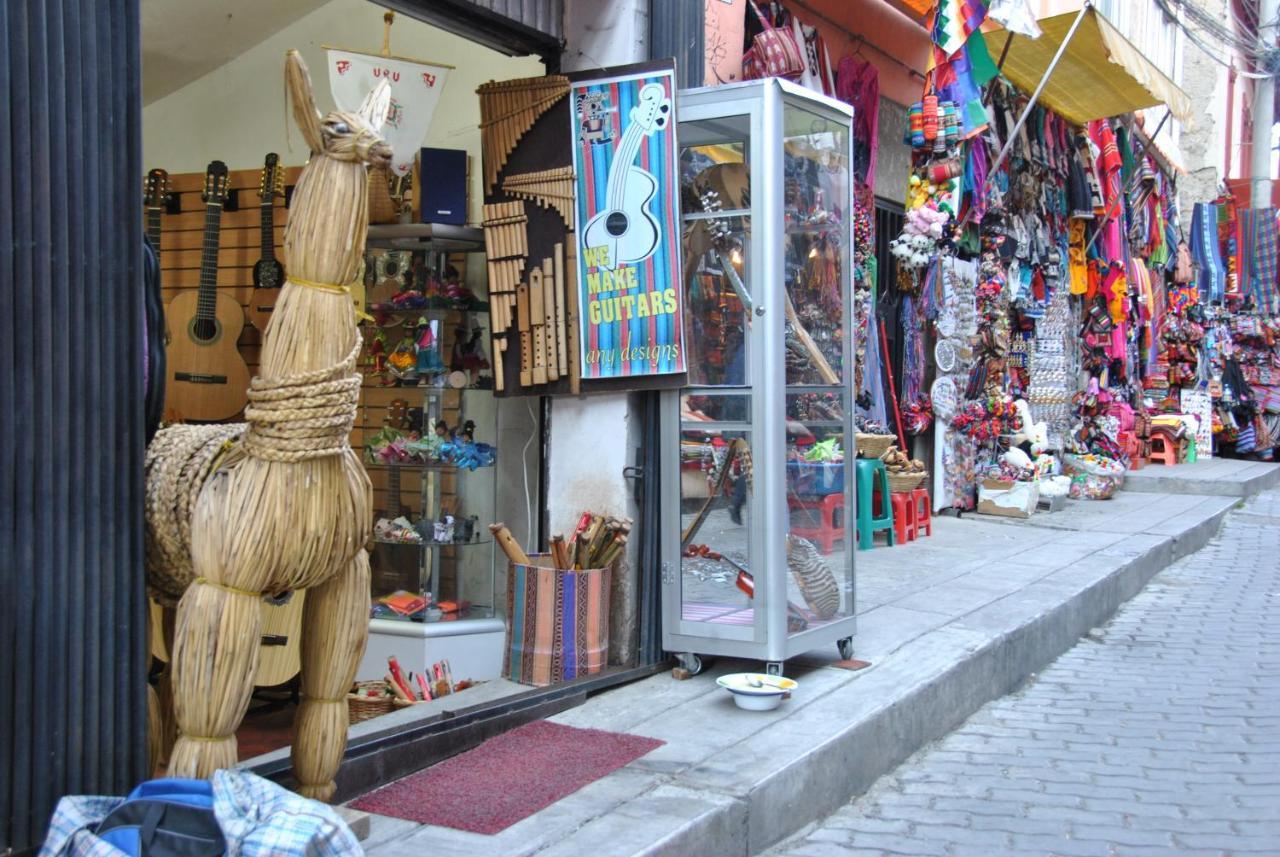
298 85
376 105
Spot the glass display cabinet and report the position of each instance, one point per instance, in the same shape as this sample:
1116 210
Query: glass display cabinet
758 450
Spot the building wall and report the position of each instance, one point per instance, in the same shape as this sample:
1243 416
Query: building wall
893 157
1202 145
593 438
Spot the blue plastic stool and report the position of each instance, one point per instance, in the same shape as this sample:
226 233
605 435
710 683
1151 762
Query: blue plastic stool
871 476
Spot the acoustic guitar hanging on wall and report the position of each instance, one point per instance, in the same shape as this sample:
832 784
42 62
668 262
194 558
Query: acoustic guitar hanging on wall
208 379
268 273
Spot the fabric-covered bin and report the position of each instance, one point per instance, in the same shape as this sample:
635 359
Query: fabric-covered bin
557 622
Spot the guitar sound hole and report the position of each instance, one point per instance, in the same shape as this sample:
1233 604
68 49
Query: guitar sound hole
616 223
204 329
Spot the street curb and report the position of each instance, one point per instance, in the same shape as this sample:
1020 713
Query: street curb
825 777
1139 483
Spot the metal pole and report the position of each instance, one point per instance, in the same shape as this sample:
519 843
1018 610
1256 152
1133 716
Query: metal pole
1133 180
1264 110
1035 96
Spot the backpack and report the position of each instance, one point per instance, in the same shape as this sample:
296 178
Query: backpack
166 818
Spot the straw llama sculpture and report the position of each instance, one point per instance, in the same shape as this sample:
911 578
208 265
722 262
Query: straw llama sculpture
282 503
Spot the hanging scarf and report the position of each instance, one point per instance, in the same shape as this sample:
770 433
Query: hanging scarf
1206 253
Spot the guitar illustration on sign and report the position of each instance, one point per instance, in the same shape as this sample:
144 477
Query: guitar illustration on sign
625 225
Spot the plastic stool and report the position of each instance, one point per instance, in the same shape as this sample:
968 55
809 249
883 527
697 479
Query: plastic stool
1162 449
904 516
1191 450
830 527
871 477
922 505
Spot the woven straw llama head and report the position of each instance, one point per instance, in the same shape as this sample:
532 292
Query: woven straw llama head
339 134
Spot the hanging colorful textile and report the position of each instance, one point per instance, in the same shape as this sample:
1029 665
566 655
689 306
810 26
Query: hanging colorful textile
955 20
858 84
1229 241
1206 253
1260 246
1108 166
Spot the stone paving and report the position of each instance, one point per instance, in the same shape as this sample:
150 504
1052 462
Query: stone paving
1158 733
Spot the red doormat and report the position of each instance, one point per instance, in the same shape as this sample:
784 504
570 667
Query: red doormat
507 778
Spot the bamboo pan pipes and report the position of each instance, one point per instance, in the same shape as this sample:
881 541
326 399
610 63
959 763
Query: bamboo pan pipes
285 503
597 542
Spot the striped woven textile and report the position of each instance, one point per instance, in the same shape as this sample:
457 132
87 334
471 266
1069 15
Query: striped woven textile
557 624
1260 256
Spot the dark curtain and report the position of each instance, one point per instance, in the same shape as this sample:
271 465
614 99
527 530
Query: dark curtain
72 606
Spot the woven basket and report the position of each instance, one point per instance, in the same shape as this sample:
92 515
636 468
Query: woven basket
381 207
900 482
361 708
874 445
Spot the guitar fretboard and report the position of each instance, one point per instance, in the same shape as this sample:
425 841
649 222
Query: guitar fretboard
268 227
207 300
153 227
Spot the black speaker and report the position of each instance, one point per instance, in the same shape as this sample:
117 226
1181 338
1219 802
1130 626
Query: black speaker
443 190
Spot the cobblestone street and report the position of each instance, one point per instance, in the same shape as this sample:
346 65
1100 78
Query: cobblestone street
1158 733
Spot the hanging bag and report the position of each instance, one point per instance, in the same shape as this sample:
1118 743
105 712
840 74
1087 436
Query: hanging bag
1184 270
773 52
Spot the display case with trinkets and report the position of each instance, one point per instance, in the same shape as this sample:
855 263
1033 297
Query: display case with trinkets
764 432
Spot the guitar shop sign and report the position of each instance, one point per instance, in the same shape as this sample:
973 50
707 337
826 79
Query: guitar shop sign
628 255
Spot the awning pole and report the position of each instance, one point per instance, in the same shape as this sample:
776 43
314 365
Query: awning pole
1004 53
1137 173
1035 96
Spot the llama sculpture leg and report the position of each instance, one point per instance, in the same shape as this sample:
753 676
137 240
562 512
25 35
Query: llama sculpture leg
336 619
215 659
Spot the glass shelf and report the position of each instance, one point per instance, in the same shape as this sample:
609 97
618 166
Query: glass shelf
427 236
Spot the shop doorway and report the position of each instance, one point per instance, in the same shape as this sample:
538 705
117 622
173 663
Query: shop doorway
439 584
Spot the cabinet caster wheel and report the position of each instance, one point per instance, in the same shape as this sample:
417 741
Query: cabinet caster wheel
773 668
846 648
689 662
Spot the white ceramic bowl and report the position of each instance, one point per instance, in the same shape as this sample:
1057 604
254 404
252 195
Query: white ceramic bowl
757 691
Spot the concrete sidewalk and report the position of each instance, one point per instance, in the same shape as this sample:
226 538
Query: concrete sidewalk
948 622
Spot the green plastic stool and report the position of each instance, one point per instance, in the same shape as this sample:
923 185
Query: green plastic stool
870 471
1191 450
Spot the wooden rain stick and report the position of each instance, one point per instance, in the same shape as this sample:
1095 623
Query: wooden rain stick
549 289
537 320
571 312
562 347
526 338
508 543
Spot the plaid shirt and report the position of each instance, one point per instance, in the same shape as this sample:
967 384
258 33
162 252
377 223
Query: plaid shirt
257 817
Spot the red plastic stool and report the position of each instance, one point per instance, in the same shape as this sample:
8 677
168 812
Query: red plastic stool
923 506
1162 449
830 523
904 515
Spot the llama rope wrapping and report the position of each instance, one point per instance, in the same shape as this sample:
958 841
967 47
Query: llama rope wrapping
289 505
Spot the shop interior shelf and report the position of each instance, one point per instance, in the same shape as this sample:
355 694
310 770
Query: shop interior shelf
467 389
433 544
433 304
412 465
427 236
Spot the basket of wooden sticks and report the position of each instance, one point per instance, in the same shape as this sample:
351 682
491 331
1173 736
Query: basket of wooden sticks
368 699
558 602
